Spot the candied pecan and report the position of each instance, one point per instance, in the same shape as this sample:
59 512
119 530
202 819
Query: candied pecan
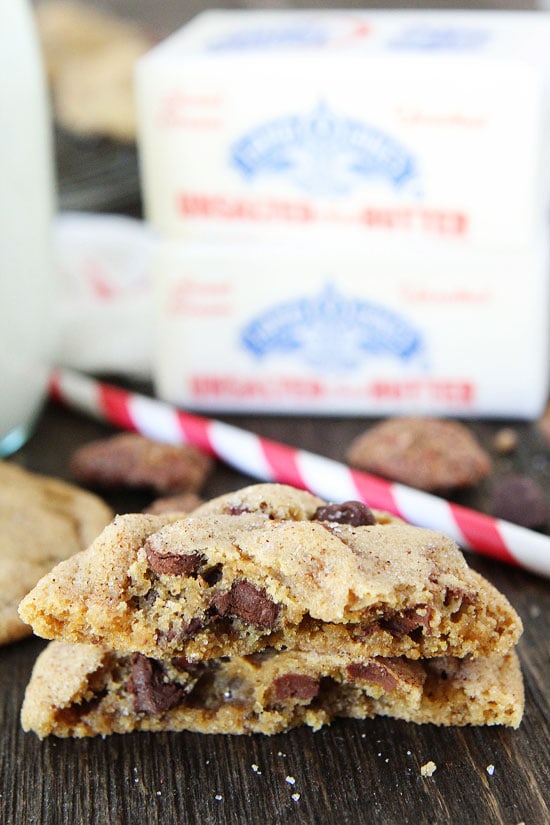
152 693
354 513
247 602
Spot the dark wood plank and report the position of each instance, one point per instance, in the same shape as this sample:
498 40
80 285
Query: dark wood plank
352 772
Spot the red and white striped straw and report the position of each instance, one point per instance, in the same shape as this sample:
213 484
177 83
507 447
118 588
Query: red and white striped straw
269 460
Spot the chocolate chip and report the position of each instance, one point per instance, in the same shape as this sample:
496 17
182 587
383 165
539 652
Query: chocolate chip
459 596
247 602
260 656
295 686
152 693
185 666
181 634
521 500
406 622
73 714
354 513
372 672
212 575
174 564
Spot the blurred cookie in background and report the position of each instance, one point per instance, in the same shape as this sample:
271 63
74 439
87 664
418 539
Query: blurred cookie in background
90 56
132 460
43 520
430 454
521 500
182 503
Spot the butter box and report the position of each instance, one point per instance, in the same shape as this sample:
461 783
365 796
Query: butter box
399 125
348 330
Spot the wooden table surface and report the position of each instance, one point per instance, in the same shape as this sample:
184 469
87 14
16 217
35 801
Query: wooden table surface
351 772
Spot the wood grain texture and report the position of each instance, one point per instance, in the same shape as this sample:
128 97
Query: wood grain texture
352 772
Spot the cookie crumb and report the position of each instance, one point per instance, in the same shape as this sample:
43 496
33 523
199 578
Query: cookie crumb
218 797
428 769
256 769
290 780
505 441
295 797
490 769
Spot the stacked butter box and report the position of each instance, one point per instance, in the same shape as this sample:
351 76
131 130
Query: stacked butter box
265 609
352 209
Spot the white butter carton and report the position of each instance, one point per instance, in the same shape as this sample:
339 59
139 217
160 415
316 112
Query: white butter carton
344 330
398 125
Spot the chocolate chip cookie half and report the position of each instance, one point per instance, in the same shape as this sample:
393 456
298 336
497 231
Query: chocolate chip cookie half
271 566
86 690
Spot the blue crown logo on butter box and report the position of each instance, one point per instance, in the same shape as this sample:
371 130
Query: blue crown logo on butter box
330 331
323 153
314 32
273 37
430 38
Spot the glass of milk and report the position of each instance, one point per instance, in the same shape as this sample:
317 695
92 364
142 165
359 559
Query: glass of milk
26 212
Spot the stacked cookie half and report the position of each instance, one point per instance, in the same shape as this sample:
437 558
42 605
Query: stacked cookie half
265 609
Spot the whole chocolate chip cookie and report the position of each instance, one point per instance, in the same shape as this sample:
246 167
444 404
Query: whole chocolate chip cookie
430 454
